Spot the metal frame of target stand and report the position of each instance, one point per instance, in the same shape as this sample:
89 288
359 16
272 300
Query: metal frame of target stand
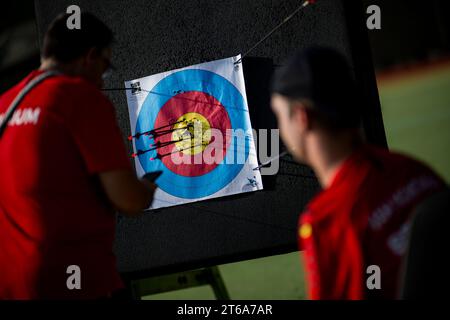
178 281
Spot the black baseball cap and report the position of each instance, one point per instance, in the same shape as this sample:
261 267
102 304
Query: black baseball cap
323 76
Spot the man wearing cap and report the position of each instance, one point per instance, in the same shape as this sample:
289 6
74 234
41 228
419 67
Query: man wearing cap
354 232
64 172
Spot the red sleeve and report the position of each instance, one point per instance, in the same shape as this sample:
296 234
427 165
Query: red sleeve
93 125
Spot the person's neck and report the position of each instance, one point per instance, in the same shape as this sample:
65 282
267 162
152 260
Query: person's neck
69 69
327 152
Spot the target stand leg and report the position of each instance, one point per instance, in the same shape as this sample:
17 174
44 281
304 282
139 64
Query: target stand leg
182 280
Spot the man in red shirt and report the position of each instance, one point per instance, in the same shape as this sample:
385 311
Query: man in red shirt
354 233
64 170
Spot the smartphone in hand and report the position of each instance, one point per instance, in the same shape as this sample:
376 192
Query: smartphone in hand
152 176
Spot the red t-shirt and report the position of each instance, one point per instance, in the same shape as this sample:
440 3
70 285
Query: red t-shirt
362 219
53 212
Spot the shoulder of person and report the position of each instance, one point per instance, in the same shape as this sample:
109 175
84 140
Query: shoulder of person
400 163
79 92
78 84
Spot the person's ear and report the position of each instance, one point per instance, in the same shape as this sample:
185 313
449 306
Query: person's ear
91 55
301 115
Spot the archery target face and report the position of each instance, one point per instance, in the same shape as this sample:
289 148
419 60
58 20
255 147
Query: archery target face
188 109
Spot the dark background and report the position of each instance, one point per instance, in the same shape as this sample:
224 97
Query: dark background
411 30
154 36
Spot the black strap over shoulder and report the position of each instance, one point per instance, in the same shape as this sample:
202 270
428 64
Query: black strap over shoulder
18 99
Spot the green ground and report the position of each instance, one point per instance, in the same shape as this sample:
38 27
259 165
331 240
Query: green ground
416 114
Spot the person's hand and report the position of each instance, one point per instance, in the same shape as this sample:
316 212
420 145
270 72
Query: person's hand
126 192
152 176
149 184
149 180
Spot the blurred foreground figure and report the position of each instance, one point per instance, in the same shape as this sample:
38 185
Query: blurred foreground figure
355 232
64 172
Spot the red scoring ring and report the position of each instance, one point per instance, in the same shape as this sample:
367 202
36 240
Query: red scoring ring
174 108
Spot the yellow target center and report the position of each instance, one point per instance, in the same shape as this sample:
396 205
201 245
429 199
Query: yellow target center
193 133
